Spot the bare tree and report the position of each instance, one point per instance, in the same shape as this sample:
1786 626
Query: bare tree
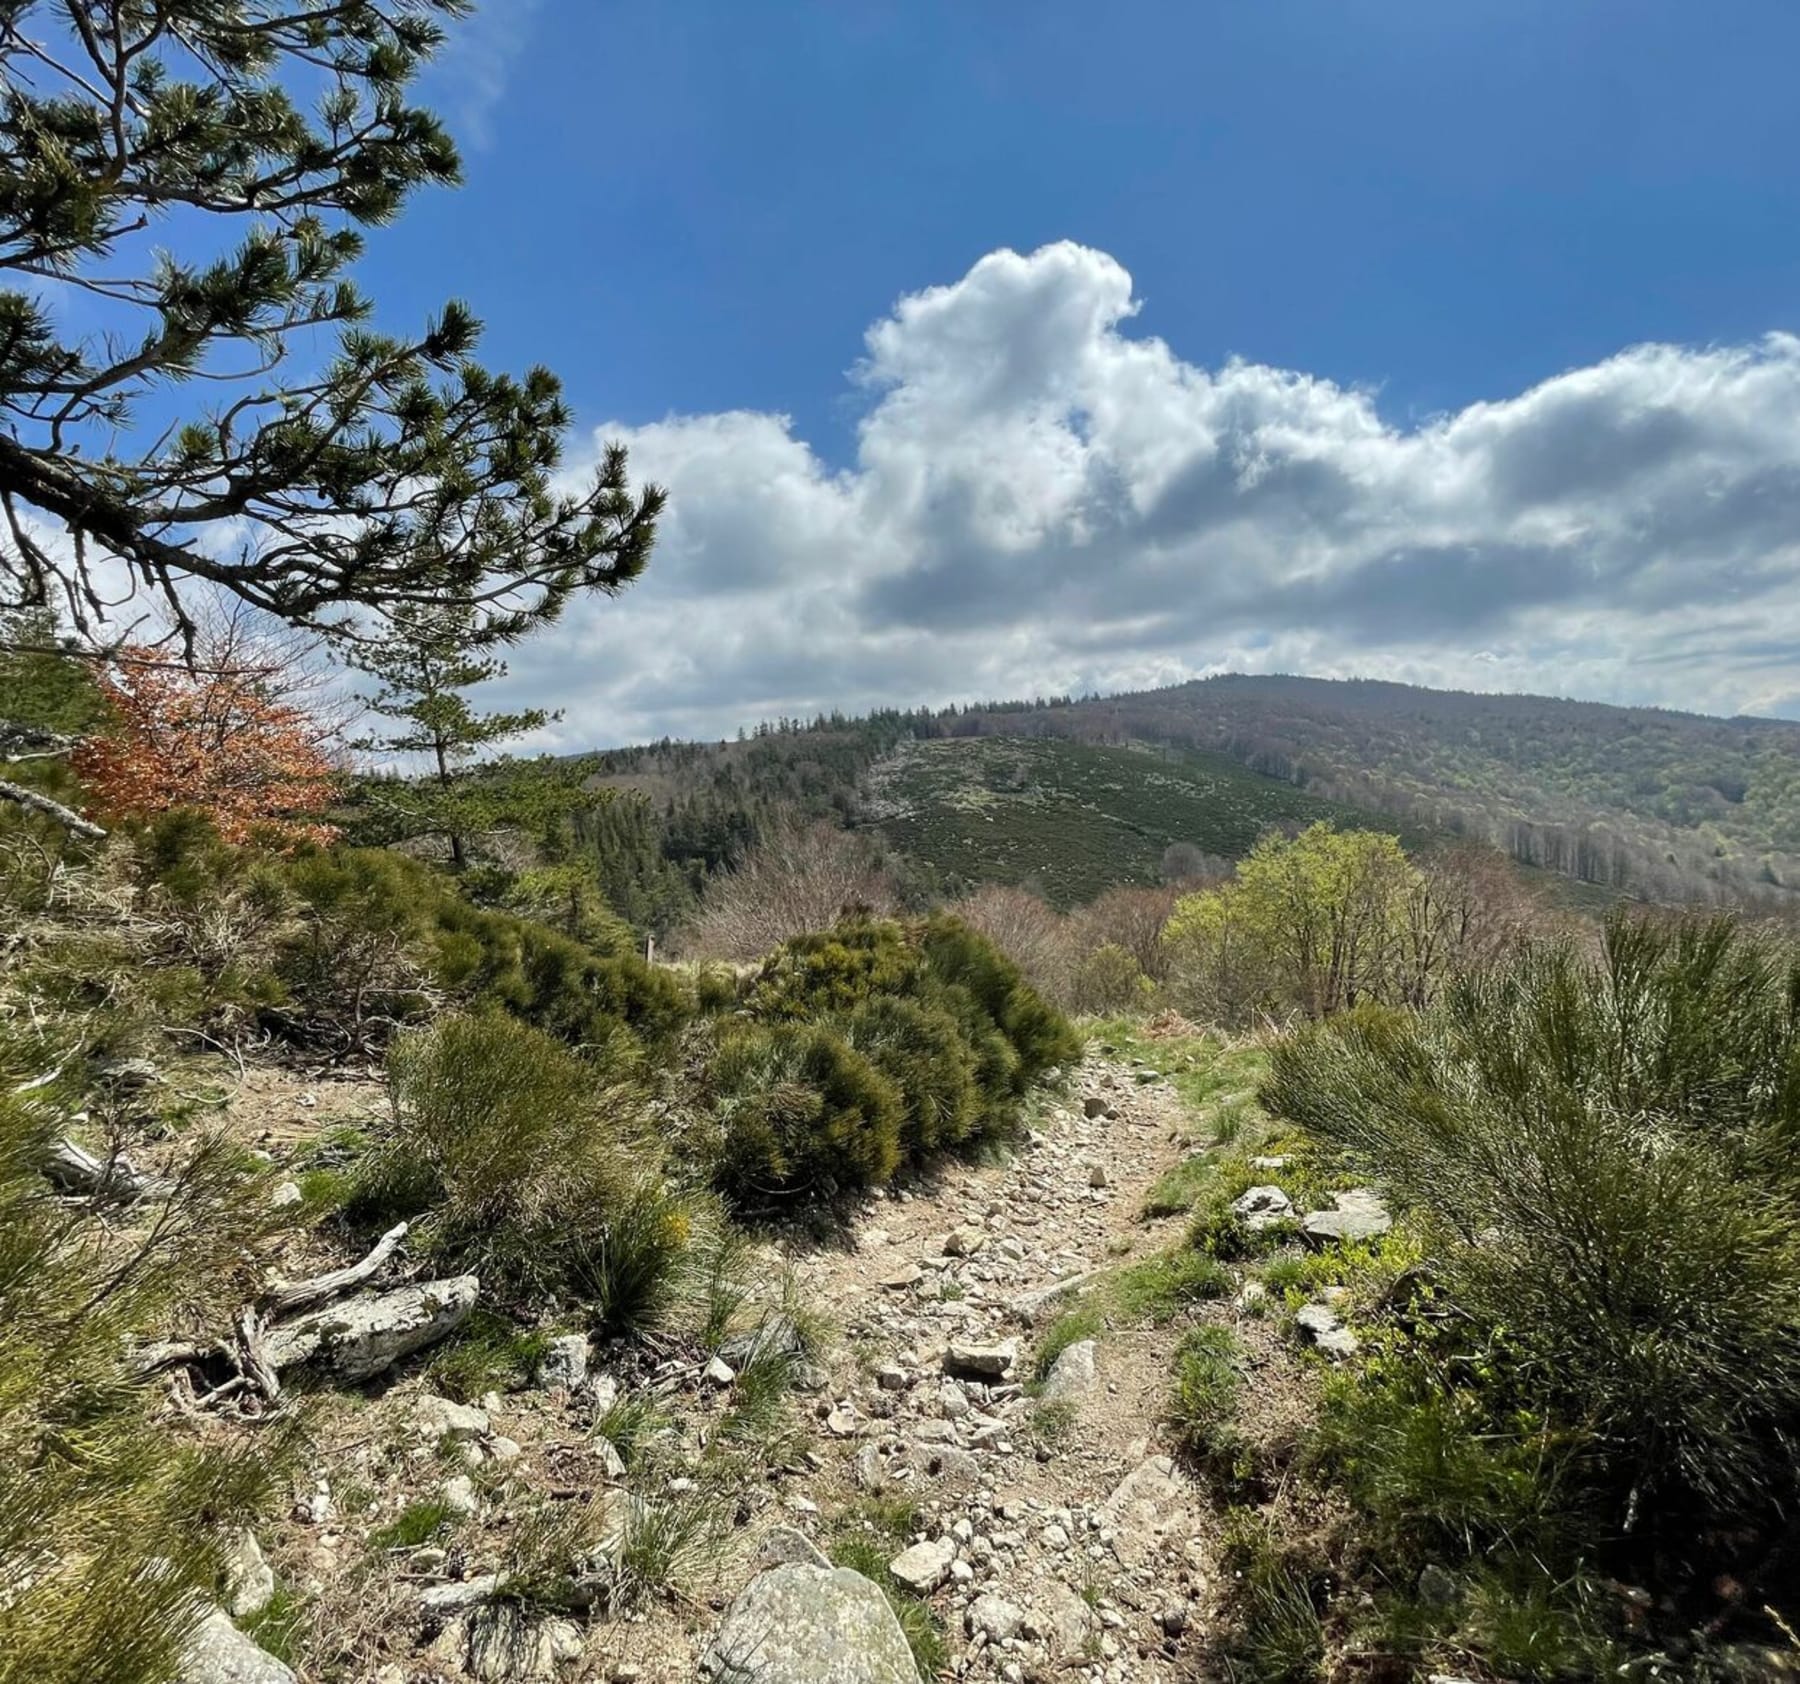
800 877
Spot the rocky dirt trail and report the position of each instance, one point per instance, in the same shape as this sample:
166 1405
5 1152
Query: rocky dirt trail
1051 1532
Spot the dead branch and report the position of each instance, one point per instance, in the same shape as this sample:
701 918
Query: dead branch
77 1170
67 817
284 1300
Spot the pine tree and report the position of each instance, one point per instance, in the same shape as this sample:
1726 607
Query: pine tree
424 670
333 494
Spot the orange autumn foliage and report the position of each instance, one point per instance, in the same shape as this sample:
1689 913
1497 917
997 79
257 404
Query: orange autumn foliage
226 741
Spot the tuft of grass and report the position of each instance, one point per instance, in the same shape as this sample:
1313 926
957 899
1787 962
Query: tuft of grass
487 1353
668 1543
1276 1635
629 1426
1178 1190
1158 1289
416 1524
1209 1380
279 1628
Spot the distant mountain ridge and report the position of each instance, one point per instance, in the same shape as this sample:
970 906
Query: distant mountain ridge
1641 802
1649 801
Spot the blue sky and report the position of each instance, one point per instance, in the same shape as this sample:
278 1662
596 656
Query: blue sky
1395 210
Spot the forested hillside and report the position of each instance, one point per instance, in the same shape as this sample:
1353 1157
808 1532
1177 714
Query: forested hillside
1661 805
1638 802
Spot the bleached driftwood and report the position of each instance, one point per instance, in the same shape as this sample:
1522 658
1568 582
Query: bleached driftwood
345 1342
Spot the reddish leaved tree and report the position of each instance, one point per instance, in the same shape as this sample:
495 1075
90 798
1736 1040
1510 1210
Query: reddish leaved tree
237 738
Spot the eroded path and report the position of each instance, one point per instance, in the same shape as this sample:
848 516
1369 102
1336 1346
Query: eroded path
1047 1533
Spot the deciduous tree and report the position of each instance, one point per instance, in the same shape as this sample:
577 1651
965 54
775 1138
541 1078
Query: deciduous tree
239 738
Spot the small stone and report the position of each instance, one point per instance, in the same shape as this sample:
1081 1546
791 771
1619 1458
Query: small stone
719 1372
787 1544
842 1422
924 1567
870 1469
953 1401
1360 1215
612 1464
1097 1176
992 1362
965 1242
1319 1325
1263 1207
603 1390
436 1419
1174 1619
216 1652
287 1194
910 1275
249 1580
458 1495
564 1365
1438 1588
503 1449
890 1379
1093 1106
994 1618
1073 1375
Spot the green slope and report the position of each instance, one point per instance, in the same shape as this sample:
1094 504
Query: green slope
1070 820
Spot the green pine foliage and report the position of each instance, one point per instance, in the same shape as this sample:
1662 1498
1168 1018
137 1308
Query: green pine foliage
520 1162
111 1526
867 1048
377 473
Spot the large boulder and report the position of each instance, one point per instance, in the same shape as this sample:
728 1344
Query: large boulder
799 1624
353 1341
218 1653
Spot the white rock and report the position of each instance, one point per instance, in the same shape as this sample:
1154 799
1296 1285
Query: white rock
992 1362
249 1579
565 1362
924 1567
216 1652
438 1418
458 1495
1073 1375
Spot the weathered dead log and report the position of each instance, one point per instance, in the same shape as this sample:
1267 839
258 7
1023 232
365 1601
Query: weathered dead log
77 1170
67 817
285 1300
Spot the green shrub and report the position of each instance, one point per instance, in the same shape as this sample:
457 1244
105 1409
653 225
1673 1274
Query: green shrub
1604 1152
874 1044
798 1110
1040 1037
110 1523
836 970
510 1151
923 1052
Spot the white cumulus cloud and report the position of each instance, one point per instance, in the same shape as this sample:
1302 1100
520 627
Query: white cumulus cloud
1043 501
